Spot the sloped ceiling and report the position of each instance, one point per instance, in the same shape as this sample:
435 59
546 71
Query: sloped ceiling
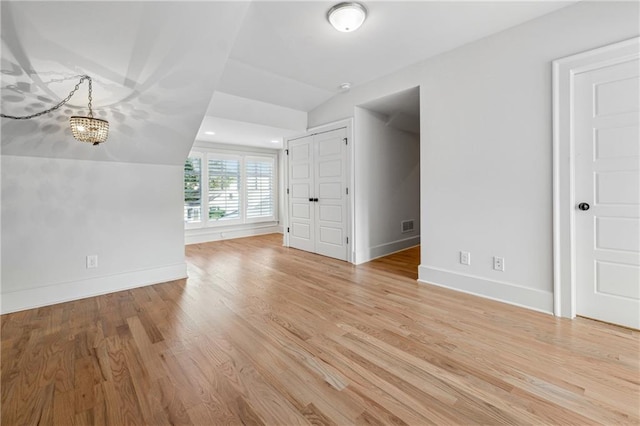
293 39
161 69
155 67
287 54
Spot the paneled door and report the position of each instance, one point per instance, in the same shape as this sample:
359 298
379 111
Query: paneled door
301 190
330 199
318 193
607 193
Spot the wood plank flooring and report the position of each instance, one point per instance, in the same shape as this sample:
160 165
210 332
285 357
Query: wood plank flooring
261 334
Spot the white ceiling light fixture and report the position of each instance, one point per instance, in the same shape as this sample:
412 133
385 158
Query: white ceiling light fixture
347 17
209 133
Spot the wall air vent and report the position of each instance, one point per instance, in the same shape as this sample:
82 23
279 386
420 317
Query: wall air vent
407 225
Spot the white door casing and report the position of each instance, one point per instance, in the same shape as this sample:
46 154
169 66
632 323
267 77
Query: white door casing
318 201
596 161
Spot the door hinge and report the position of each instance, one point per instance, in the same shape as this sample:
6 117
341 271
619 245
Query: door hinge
347 191
286 151
345 141
347 240
287 229
287 190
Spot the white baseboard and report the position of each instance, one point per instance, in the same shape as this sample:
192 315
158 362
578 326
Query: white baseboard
537 300
386 249
58 293
197 236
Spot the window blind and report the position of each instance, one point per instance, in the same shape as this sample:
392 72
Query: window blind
259 188
224 189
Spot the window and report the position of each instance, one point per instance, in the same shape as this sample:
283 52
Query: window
259 185
238 189
224 189
192 185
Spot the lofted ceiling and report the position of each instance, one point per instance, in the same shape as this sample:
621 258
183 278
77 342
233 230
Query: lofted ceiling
168 72
155 67
294 40
287 54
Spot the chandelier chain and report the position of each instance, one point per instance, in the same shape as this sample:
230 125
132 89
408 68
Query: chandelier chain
90 98
55 107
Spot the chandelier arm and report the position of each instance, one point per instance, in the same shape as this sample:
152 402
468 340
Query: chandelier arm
55 107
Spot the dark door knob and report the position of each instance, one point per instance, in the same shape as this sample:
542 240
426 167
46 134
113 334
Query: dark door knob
584 206
311 199
315 199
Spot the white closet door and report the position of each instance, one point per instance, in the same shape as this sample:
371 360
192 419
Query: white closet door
330 192
301 189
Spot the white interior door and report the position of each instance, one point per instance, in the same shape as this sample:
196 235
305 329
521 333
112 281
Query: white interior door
330 192
301 189
318 199
607 193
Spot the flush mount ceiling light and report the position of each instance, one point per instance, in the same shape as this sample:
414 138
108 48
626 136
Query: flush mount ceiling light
347 16
84 129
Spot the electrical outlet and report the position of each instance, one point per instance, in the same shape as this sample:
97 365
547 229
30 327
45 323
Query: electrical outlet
465 258
92 261
498 263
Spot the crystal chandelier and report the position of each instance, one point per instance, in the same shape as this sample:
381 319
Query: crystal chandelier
85 129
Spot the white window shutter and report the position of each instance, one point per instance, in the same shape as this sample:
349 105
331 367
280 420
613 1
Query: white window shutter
259 174
224 189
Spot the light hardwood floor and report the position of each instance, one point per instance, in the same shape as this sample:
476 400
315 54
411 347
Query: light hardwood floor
261 334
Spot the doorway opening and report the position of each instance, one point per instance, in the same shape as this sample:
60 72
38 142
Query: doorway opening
387 175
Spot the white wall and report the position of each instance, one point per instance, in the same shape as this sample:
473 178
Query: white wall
55 212
486 138
387 186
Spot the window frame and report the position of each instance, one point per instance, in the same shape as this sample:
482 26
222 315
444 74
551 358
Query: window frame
211 154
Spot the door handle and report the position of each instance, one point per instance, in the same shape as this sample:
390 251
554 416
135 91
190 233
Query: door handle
311 199
584 206
315 199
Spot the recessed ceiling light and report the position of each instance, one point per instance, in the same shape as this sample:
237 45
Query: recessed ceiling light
275 141
345 87
347 16
209 133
